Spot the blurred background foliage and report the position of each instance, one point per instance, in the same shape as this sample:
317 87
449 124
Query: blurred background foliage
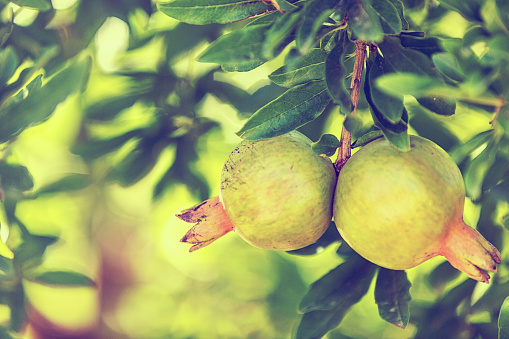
115 129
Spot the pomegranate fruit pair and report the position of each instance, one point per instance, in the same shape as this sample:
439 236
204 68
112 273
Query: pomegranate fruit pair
396 209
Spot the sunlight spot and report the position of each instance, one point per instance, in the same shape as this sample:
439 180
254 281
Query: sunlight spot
111 41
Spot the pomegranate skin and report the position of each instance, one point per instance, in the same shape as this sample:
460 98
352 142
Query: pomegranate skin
277 192
398 209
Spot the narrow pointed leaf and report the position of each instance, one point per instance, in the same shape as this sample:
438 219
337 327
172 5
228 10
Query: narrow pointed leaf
314 15
41 5
367 138
294 108
336 73
388 15
71 182
477 169
310 67
62 278
239 50
330 298
503 320
203 12
364 22
9 62
440 106
278 32
392 296
390 106
42 101
448 65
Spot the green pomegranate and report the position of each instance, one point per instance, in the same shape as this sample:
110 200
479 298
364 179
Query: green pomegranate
275 193
398 209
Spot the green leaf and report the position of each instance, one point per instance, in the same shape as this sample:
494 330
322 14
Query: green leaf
326 145
477 169
329 299
388 15
352 123
62 279
460 152
40 103
110 107
278 33
41 5
30 252
6 269
364 21
427 46
397 84
448 65
441 106
392 296
367 138
9 62
442 274
203 12
238 51
470 9
15 177
310 67
294 108
315 13
391 106
503 320
71 182
93 149
335 73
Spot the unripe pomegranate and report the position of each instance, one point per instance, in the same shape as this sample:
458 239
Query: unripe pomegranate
398 209
276 193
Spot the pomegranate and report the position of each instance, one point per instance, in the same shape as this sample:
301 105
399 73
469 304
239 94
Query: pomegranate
275 193
399 209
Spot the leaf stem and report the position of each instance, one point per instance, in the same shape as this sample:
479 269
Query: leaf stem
355 87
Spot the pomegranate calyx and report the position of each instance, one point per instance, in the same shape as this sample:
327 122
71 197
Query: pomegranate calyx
468 251
211 220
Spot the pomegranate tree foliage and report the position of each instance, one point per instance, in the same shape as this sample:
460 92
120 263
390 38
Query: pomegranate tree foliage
411 76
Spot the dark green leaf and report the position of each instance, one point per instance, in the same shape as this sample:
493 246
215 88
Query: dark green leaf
6 31
364 21
442 274
62 279
477 169
110 107
397 84
15 177
71 182
8 64
330 236
336 73
503 320
330 298
135 165
310 67
390 106
398 4
427 46
278 33
441 106
202 12
6 269
315 13
388 15
238 51
348 280
327 145
93 149
460 152
296 107
470 9
30 252
41 102
406 59
41 5
392 294
448 65
367 138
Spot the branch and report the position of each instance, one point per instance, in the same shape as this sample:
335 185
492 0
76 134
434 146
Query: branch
355 87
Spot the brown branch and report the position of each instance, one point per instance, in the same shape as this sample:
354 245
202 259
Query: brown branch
355 87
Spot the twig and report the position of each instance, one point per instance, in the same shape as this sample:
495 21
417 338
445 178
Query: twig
355 87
